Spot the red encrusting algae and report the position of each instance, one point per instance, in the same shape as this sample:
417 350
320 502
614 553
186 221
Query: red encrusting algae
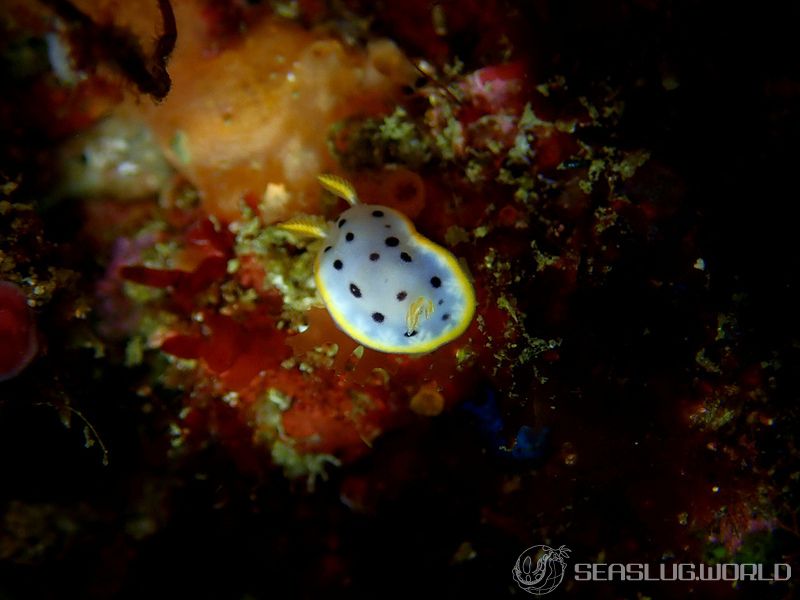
18 338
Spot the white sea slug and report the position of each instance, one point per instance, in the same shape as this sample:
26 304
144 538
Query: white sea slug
384 284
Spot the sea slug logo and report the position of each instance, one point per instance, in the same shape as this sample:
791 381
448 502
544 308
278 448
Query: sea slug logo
540 569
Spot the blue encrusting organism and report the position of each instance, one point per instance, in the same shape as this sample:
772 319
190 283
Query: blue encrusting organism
385 285
529 444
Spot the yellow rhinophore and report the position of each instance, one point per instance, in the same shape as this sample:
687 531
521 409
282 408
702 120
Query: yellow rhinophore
339 186
310 225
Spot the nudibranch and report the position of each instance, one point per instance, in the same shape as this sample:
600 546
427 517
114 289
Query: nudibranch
386 285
